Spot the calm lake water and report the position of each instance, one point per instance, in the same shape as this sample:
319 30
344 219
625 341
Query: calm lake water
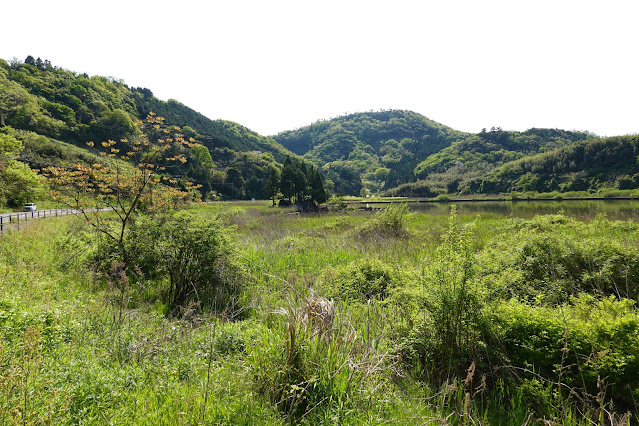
579 209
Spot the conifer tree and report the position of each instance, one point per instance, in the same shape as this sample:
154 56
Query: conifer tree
273 183
316 187
287 180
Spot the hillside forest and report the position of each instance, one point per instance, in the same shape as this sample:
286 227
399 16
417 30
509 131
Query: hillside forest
48 114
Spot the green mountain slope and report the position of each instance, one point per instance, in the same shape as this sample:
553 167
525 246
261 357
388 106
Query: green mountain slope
47 107
461 167
538 160
382 148
50 113
212 133
586 165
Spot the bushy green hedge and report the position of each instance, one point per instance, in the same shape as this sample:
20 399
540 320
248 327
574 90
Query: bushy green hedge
194 255
588 349
550 258
184 260
360 280
543 309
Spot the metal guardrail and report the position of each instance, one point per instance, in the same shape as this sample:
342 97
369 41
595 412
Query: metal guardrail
15 220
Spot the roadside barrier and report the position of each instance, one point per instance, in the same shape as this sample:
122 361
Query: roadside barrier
15 220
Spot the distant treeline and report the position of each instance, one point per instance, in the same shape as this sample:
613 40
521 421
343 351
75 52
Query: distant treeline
392 152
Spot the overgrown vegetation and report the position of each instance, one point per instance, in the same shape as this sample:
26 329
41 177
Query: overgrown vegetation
449 320
192 258
389 222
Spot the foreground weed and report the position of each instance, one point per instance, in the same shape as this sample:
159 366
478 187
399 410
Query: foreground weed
27 395
318 367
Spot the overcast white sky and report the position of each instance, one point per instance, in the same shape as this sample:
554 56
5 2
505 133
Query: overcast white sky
277 65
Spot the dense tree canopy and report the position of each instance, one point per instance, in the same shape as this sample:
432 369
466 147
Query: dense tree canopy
460 168
365 142
582 166
48 110
47 107
18 183
299 183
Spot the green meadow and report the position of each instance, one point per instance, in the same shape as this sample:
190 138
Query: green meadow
240 313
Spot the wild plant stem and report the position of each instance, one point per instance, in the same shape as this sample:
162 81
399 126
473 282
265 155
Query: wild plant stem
208 370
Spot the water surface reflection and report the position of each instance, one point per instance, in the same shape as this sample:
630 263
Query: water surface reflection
579 209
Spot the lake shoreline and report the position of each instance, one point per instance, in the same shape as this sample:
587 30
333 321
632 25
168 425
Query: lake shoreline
481 200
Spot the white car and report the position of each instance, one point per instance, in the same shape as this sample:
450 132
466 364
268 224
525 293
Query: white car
29 207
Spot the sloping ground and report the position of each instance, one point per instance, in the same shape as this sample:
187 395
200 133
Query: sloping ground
382 147
47 107
582 166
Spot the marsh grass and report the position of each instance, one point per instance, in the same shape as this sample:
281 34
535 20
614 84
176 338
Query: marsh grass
315 365
70 355
78 350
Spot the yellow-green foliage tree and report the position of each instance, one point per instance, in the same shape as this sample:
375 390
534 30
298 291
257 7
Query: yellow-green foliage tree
131 177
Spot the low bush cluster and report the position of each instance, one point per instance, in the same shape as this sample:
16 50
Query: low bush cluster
388 223
181 259
586 352
360 280
552 258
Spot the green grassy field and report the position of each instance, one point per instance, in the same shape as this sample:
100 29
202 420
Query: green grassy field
341 318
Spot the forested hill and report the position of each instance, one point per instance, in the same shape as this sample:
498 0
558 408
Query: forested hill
215 134
564 162
44 107
462 167
402 153
587 165
46 110
382 147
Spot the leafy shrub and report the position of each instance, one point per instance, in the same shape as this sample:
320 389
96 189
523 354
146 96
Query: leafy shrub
393 217
442 197
389 222
589 348
359 280
553 257
193 254
449 333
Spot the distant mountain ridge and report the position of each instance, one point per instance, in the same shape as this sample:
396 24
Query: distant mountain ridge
391 152
383 147
402 153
